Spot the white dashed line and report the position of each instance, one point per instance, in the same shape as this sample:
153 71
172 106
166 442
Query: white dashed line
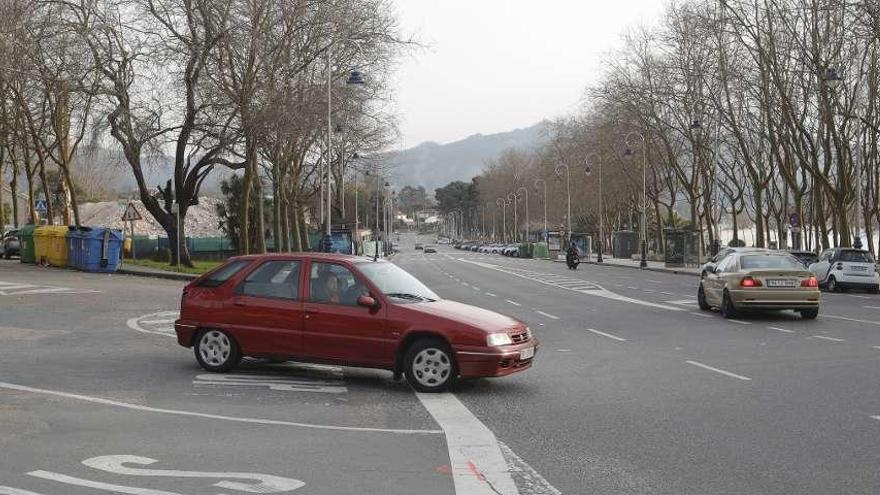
513 302
871 307
781 329
667 293
615 337
832 339
548 315
490 294
716 370
704 315
738 322
869 322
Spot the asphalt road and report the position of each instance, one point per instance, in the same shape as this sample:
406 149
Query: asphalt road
633 391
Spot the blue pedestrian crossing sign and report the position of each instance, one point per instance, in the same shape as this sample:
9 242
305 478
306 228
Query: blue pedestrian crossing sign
41 205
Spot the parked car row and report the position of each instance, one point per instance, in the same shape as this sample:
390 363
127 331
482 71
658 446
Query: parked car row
9 244
488 248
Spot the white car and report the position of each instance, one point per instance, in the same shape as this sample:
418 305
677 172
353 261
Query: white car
840 269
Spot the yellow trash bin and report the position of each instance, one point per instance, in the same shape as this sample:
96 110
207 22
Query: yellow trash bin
50 245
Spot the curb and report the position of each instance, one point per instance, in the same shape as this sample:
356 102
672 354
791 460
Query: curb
648 269
185 277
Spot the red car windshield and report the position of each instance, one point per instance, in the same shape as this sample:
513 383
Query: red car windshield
397 283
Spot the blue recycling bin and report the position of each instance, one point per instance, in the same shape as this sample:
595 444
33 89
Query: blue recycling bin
100 249
76 247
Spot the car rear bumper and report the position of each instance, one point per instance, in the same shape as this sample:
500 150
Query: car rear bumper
185 332
476 362
776 298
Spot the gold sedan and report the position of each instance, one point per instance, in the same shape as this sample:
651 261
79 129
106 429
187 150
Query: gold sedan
766 281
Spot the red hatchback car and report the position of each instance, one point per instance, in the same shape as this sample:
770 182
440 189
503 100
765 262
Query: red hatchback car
346 310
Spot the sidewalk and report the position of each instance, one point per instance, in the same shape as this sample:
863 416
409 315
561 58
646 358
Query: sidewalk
142 271
654 266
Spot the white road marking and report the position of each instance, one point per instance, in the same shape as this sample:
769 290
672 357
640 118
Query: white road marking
477 464
476 288
632 288
739 322
727 373
548 315
465 284
168 331
649 291
8 490
259 483
654 281
110 487
781 329
875 347
860 297
869 322
704 315
527 476
596 289
667 293
154 322
513 302
490 294
272 382
235 419
832 339
615 337
563 350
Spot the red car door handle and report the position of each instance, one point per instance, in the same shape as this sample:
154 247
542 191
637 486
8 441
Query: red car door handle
238 302
310 310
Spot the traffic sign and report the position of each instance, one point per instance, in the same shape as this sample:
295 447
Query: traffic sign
131 214
41 205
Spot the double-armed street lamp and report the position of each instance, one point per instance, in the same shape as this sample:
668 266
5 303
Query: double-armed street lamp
589 170
567 192
511 197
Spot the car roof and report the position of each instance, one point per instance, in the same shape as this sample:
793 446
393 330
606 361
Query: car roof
310 255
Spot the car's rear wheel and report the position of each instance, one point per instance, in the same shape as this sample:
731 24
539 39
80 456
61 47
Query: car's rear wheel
832 284
809 313
728 310
216 351
430 366
701 299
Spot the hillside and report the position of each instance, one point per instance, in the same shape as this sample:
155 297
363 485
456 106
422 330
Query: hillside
434 165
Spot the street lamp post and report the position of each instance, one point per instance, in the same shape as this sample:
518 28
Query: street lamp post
643 262
512 198
525 191
544 199
589 170
567 193
833 78
354 77
503 204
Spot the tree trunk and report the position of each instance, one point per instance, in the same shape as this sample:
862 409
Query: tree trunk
276 209
13 187
260 241
244 245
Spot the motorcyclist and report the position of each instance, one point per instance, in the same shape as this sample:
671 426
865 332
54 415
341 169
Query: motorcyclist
572 256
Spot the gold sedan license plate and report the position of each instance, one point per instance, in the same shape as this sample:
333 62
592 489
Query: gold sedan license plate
781 282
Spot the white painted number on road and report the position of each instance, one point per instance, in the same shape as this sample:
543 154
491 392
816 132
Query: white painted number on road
120 464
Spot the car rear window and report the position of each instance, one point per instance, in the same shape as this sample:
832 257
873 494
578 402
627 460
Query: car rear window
855 257
757 262
222 274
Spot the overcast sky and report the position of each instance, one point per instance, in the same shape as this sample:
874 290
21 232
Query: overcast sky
496 65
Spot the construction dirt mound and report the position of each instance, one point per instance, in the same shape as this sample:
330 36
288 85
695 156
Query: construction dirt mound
201 219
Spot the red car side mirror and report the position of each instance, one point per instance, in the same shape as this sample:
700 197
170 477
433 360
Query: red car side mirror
367 302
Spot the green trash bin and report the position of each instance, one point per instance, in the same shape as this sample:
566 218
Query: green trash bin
26 244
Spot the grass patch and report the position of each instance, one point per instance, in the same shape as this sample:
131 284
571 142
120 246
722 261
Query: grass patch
199 268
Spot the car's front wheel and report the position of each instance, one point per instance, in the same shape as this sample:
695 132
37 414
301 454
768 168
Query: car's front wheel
216 351
429 366
701 299
809 313
832 285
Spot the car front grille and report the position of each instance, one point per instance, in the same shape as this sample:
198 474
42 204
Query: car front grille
520 338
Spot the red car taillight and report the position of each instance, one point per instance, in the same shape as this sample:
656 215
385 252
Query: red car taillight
810 282
749 282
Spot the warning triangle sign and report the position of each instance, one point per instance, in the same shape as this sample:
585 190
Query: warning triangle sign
131 213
